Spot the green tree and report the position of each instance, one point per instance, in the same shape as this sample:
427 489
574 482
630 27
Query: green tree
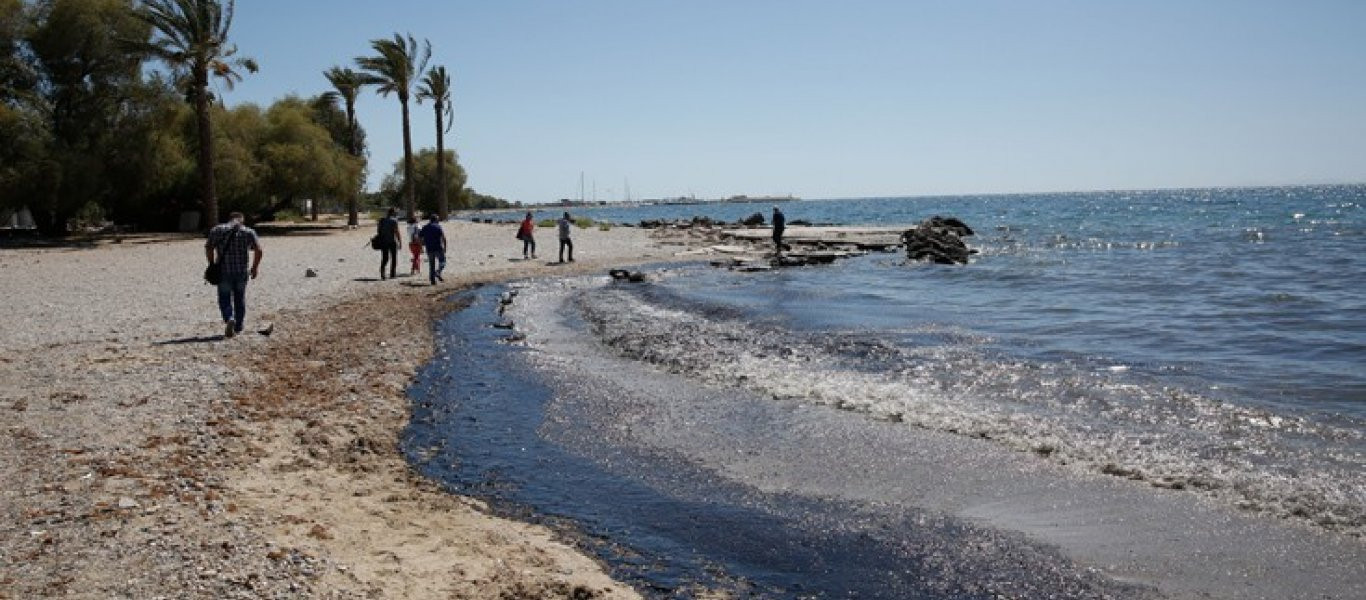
346 86
149 160
300 157
23 137
425 180
393 69
436 86
238 168
192 39
86 95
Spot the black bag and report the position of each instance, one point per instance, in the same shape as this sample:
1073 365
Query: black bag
213 273
375 243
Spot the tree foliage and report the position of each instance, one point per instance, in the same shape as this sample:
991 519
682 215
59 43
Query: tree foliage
89 131
425 185
436 88
393 69
192 39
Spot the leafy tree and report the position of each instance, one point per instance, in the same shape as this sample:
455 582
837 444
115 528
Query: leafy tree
393 69
425 180
238 168
346 86
436 86
18 76
300 158
149 159
192 39
86 88
470 199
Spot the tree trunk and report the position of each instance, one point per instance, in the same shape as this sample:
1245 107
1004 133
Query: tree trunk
352 202
440 167
408 193
207 199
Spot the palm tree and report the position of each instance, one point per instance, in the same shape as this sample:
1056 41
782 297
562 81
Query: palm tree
347 84
436 86
394 67
191 37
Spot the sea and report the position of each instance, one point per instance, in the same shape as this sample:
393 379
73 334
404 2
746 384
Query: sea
1125 394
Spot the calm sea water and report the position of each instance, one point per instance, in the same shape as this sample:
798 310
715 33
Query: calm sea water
1210 344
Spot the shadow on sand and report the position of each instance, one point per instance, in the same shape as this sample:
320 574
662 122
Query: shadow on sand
203 339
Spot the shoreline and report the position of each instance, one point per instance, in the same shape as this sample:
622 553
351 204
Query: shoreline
147 456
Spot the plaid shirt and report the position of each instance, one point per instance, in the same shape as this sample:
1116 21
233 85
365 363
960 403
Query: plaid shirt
234 256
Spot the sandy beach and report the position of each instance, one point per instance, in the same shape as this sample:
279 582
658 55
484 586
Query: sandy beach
145 456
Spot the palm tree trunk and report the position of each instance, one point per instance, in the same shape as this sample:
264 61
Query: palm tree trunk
208 200
353 217
440 167
408 193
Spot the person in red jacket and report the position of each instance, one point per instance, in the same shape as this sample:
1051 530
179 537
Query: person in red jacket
527 233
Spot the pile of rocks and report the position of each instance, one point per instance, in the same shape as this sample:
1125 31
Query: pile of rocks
939 240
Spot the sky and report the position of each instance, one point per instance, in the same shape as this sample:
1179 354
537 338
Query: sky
856 98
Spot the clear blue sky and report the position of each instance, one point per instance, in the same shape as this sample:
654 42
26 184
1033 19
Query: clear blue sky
853 98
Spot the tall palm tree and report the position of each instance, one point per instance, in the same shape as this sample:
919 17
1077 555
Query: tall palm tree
436 86
347 84
191 37
393 69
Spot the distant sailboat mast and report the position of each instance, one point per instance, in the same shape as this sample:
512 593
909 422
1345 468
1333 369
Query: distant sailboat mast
580 187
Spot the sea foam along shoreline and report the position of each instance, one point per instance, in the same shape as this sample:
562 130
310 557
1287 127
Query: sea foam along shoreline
146 457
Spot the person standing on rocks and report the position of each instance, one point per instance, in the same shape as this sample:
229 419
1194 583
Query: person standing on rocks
434 239
527 233
564 223
779 224
389 241
415 244
228 244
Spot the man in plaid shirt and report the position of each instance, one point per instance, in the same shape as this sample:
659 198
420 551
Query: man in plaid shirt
229 243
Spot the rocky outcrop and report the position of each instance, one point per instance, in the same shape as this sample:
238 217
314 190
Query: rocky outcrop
939 240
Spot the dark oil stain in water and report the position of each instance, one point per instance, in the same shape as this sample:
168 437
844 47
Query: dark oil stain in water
475 429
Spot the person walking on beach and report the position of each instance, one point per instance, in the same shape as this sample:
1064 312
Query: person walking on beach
389 241
228 244
779 224
564 224
527 233
415 244
434 239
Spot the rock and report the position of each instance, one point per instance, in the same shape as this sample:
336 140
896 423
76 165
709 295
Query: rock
505 324
624 275
753 220
128 503
310 272
938 240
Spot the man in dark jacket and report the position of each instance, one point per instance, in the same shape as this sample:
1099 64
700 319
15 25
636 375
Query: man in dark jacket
779 224
389 241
